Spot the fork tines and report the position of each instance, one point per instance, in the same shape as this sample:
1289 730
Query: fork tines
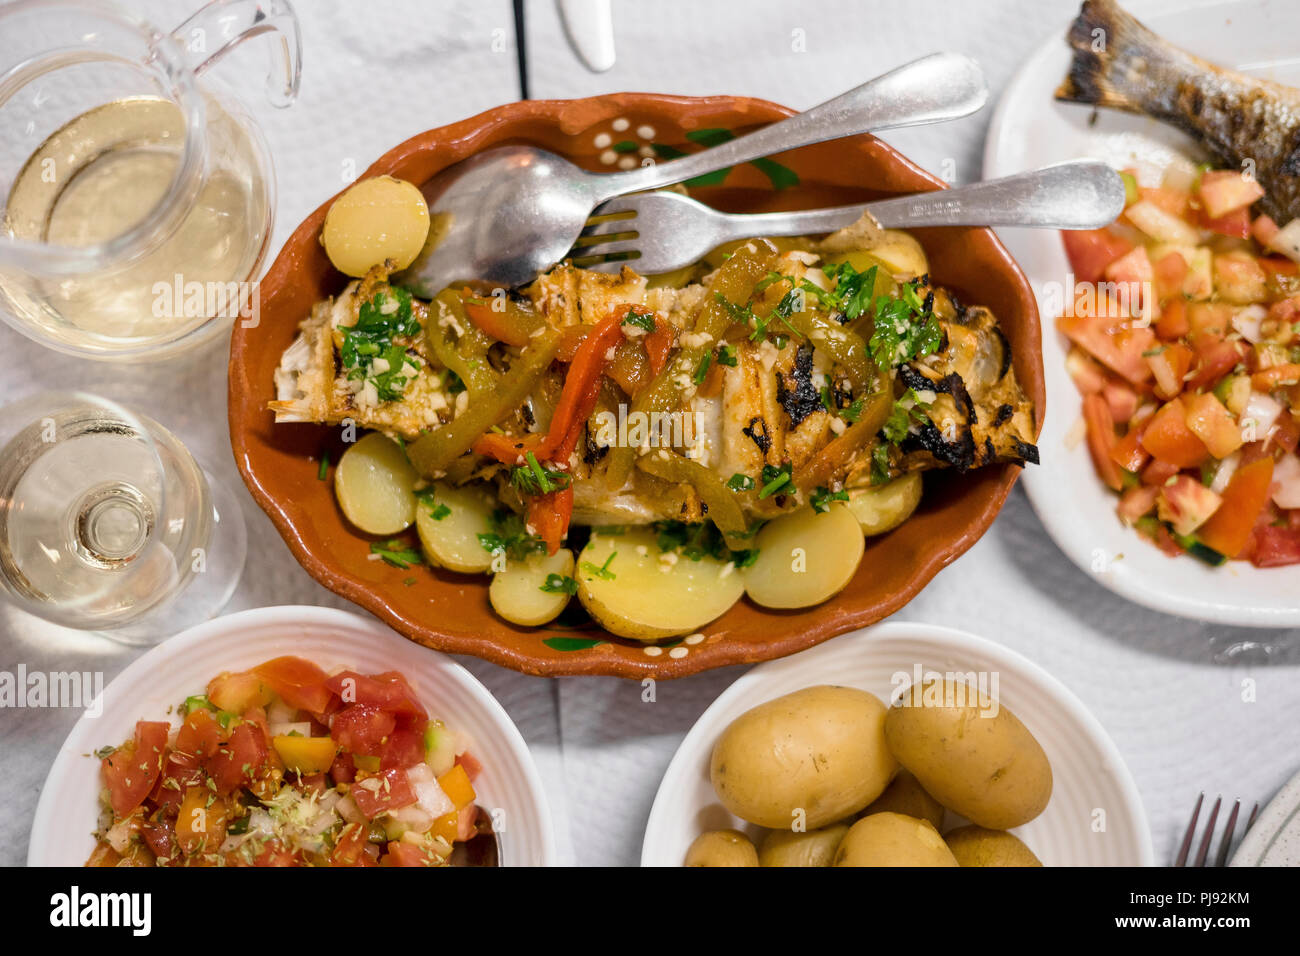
1225 842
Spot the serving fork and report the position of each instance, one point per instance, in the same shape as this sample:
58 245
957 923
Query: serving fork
1225 842
664 231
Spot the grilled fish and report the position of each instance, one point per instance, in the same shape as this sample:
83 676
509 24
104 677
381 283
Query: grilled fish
768 409
1120 63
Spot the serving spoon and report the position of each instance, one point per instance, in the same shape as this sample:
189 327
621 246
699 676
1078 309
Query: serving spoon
663 231
509 213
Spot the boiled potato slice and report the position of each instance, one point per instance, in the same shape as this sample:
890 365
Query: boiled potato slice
892 839
976 846
722 848
518 594
374 484
901 254
634 590
810 758
451 541
804 557
970 753
375 219
814 848
884 507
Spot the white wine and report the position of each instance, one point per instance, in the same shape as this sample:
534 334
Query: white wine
101 518
103 173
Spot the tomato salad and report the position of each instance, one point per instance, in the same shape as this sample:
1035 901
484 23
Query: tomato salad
1184 333
285 765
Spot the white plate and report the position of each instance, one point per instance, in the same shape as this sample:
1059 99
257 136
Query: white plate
1031 129
1274 840
183 665
1090 781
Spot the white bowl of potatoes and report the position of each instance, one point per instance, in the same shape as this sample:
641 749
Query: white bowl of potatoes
903 744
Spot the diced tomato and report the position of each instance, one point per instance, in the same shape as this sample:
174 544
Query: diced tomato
132 769
386 790
471 765
1264 229
1101 440
200 734
1210 317
344 768
1276 547
1229 528
1172 324
299 683
1168 438
1173 201
1186 504
1235 224
465 823
1169 366
1223 190
1090 251
1113 342
362 729
275 853
1213 424
1169 272
180 772
388 692
403 748
1086 374
1216 357
238 692
1134 271
1122 400
1136 502
350 848
238 761
1239 278
1286 432
160 833
401 853
1276 377
1128 452
1157 472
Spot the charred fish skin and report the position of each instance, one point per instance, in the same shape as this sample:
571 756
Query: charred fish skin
1120 63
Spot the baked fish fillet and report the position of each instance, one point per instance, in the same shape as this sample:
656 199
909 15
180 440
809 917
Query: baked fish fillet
768 409
1120 63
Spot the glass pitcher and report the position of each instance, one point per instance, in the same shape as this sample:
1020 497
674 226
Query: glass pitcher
137 201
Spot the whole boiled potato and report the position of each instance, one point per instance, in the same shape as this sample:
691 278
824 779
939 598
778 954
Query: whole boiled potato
906 795
969 753
976 846
815 756
814 848
722 848
893 839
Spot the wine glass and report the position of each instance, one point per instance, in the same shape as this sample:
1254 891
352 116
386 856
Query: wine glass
107 523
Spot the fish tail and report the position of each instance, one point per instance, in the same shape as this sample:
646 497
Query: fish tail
1114 55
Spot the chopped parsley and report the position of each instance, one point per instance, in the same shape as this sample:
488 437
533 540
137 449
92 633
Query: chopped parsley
727 355
559 584
603 570
396 553
640 318
368 351
903 329
908 410
774 479
700 540
740 482
880 463
702 370
853 289
509 536
531 478
324 468
822 498
437 510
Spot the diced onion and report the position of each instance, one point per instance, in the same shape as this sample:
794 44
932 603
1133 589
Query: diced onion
1287 240
300 727
428 795
1260 414
1223 474
1247 320
1286 482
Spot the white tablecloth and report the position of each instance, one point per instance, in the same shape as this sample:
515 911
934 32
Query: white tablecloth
1190 706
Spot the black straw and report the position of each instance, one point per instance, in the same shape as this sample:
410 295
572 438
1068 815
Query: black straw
521 51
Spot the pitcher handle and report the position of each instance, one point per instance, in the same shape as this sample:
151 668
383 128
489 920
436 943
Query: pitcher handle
232 22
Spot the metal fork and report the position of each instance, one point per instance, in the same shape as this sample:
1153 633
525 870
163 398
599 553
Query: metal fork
664 231
1225 843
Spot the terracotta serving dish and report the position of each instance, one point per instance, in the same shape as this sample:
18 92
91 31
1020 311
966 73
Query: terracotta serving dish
449 611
